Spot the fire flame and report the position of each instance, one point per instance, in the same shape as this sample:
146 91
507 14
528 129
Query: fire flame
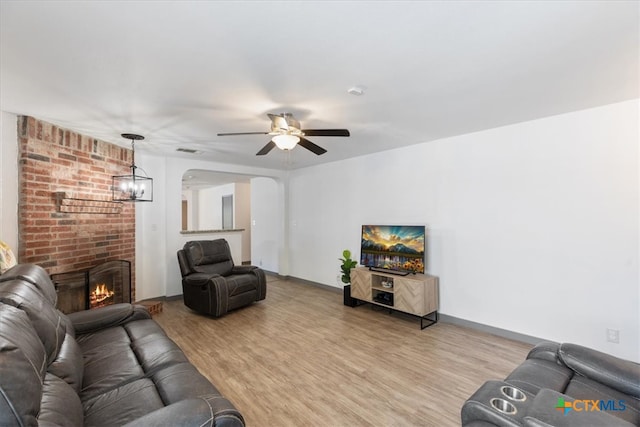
101 293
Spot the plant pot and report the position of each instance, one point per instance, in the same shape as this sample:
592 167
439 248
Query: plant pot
348 301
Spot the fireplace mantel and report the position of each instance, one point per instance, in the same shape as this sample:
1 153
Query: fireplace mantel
77 203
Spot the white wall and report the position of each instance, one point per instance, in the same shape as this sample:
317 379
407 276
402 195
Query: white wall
9 180
533 227
151 239
267 244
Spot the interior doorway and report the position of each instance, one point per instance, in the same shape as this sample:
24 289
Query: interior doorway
203 192
185 215
227 212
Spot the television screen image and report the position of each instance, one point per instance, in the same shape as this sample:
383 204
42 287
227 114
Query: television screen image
393 247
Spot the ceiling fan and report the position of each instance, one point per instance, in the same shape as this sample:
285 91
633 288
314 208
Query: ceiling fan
287 134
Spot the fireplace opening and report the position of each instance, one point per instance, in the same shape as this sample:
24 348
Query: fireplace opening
105 284
101 295
71 288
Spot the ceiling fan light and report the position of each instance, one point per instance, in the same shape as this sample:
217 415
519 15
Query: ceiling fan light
285 142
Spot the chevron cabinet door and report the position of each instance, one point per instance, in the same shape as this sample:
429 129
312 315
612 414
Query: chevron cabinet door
360 284
409 296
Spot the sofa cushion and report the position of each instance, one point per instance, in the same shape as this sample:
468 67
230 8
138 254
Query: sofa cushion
60 404
22 368
209 256
35 275
69 364
620 374
535 374
191 384
151 346
46 320
109 361
542 412
122 404
241 283
583 388
242 300
7 257
203 411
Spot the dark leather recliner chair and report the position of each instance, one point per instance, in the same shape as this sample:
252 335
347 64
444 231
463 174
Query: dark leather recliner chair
212 284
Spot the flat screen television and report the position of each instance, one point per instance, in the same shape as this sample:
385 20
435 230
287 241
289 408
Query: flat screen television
393 248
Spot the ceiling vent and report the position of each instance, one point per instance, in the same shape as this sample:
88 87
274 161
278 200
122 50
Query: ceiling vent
187 150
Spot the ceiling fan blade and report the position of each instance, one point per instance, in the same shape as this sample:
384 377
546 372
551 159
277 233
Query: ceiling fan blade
326 132
266 148
243 133
311 146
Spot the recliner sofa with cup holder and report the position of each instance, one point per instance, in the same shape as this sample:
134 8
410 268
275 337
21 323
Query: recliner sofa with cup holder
564 385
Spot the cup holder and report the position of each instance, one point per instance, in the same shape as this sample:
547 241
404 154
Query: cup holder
513 393
503 406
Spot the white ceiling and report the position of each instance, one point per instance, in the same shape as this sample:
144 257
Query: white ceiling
181 72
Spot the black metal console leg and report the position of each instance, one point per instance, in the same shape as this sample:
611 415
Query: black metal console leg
432 320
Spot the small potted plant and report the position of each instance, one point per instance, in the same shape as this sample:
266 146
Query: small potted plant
345 268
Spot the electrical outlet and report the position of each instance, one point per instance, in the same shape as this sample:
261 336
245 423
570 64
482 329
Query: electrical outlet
613 335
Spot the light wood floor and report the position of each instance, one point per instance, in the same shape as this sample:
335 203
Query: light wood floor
301 358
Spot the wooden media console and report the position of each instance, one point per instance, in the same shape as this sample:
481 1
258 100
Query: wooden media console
415 294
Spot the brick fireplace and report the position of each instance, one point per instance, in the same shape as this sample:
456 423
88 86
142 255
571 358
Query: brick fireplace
67 221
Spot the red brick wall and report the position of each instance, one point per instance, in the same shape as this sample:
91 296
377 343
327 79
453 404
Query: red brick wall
64 184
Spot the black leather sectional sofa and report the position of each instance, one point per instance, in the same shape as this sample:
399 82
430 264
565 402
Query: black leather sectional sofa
108 366
564 385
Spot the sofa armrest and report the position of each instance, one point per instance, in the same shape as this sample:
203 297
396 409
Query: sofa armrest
243 269
199 279
546 350
260 276
105 317
619 374
544 412
183 263
479 411
211 410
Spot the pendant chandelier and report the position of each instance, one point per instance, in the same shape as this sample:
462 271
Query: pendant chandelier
132 188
